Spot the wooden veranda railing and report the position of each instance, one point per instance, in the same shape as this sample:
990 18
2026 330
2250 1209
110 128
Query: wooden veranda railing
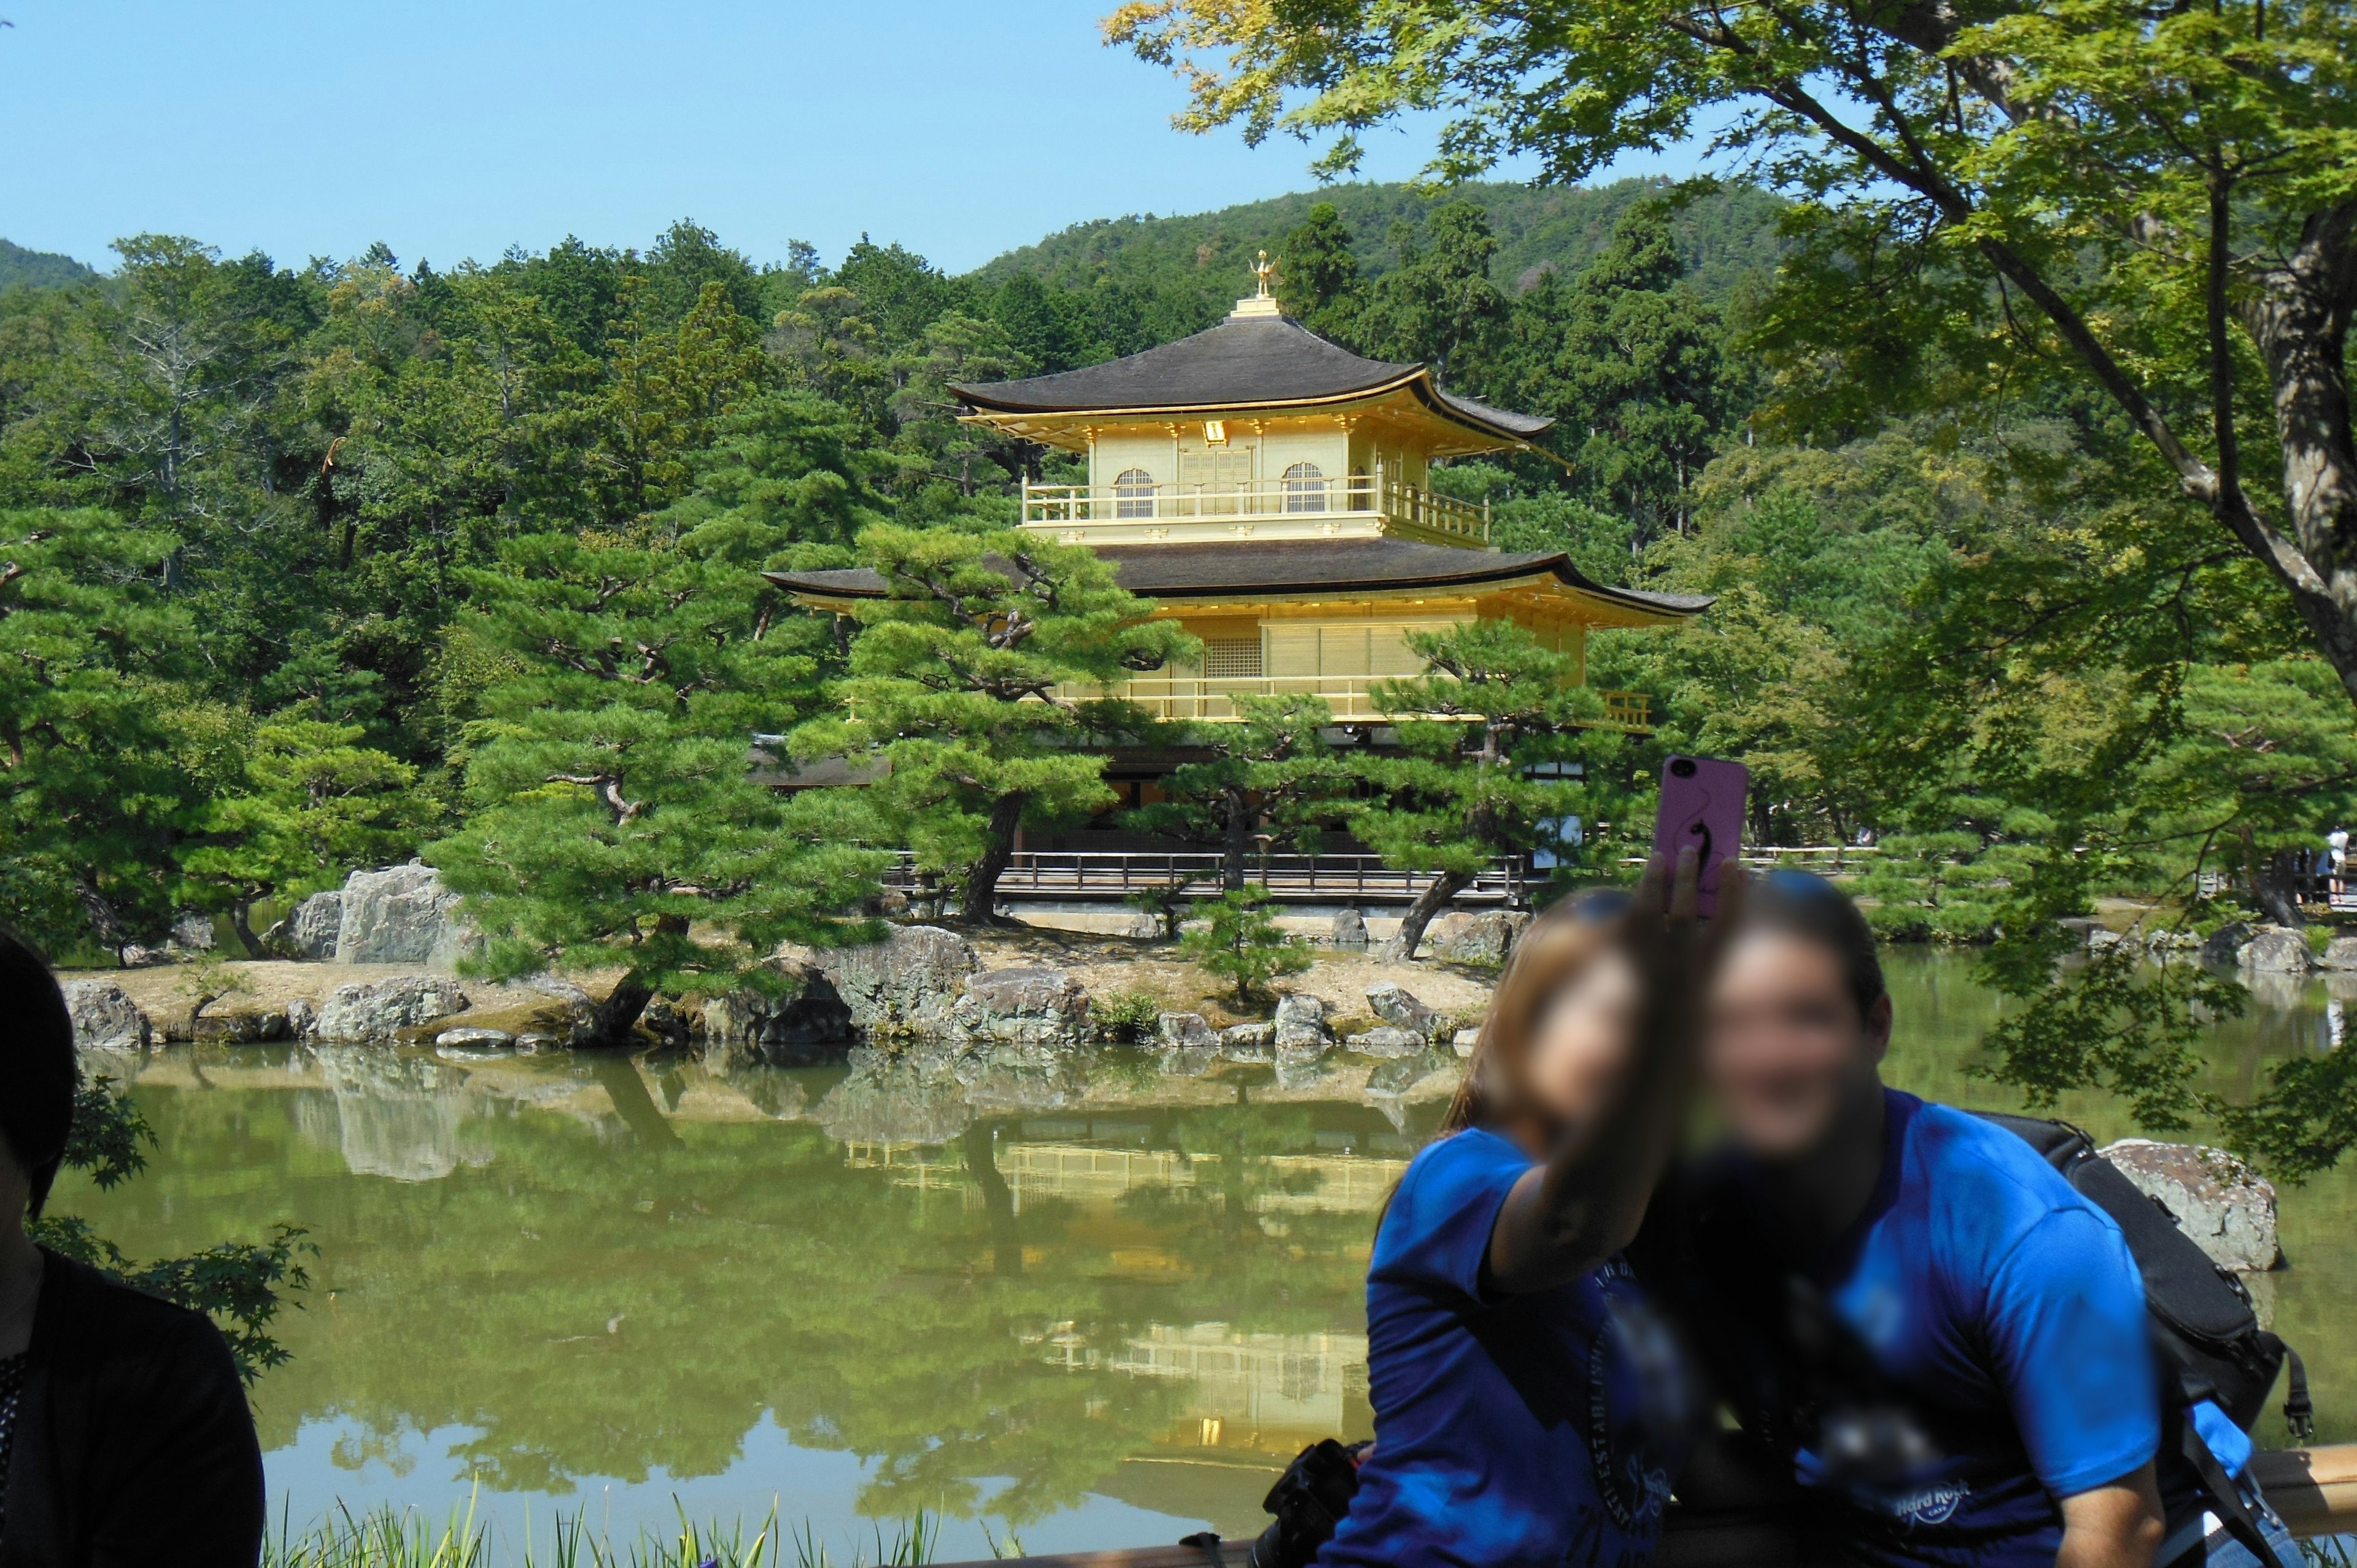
1114 875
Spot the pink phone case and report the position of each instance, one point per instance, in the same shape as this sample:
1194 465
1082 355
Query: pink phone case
1702 805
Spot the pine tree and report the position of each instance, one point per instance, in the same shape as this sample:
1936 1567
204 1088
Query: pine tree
1273 767
615 818
313 804
971 686
1464 790
94 787
1241 942
1318 274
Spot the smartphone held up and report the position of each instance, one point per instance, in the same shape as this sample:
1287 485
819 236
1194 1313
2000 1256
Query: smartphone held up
1702 805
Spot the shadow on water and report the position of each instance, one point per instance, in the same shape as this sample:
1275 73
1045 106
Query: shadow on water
1090 1301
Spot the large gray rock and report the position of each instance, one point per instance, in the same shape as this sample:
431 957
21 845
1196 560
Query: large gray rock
1349 930
310 930
402 915
472 1045
1301 1023
2222 945
2219 1201
799 1022
1253 1043
240 1025
376 1011
105 1019
1464 1041
2277 950
1398 1006
1190 1044
1484 939
906 984
2341 954
1026 1005
192 932
1389 1040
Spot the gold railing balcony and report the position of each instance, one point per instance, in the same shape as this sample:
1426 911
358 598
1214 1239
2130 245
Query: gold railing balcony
1191 698
1273 507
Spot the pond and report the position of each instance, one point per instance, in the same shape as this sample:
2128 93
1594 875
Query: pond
1091 1315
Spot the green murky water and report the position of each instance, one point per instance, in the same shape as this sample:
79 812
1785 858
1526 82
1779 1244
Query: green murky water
1097 1311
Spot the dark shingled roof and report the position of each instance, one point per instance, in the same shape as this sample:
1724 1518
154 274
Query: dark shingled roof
1220 571
1246 362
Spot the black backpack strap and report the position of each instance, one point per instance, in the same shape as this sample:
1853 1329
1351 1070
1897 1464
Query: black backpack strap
2300 1415
2225 1499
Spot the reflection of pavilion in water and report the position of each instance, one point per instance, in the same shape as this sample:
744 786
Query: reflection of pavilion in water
1339 1184
1267 1394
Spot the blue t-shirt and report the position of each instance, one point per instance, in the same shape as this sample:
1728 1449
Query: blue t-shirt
2008 1317
1529 1429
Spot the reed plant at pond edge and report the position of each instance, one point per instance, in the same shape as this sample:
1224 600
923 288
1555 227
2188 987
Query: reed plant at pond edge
385 1538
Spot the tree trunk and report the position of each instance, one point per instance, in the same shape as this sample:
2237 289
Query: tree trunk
2297 316
1232 853
240 920
610 1021
981 905
2273 881
1430 902
997 1199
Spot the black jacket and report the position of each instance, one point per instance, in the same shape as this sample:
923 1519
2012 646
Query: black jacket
134 1444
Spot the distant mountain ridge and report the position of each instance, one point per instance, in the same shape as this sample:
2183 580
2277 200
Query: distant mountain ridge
39 269
1726 237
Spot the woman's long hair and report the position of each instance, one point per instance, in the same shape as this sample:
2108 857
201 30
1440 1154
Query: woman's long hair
1555 950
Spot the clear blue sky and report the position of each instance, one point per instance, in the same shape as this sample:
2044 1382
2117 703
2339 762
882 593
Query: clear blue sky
454 128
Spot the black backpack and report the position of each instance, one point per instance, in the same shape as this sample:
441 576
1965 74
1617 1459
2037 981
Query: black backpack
2201 1315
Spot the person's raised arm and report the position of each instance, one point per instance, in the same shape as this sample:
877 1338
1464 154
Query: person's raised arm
1565 1217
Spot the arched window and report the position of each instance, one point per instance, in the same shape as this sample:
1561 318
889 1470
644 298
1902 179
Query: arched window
1132 494
1305 487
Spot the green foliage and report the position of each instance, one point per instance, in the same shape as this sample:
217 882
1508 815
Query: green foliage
1241 942
313 805
21 268
971 682
1127 1016
1168 902
390 1538
1482 773
614 818
94 728
1271 770
239 1286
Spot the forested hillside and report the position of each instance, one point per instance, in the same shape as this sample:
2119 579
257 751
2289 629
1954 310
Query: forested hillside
1723 239
21 268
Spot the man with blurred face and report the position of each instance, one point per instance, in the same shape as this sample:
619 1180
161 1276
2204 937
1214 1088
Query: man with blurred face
1940 1341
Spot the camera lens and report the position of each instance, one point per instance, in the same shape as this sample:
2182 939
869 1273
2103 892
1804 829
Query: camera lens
1683 766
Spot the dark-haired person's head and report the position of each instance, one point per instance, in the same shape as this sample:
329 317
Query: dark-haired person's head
37 1080
1799 1017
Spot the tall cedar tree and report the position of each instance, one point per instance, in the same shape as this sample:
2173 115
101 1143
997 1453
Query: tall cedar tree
970 684
615 821
1273 769
1496 705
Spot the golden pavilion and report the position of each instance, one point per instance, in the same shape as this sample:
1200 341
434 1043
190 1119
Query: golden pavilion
1271 491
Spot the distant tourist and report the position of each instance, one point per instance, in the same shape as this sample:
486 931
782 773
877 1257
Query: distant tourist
2336 850
1527 1408
1928 1329
124 1436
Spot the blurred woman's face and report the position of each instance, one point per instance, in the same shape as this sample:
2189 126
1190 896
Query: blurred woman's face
1580 1043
